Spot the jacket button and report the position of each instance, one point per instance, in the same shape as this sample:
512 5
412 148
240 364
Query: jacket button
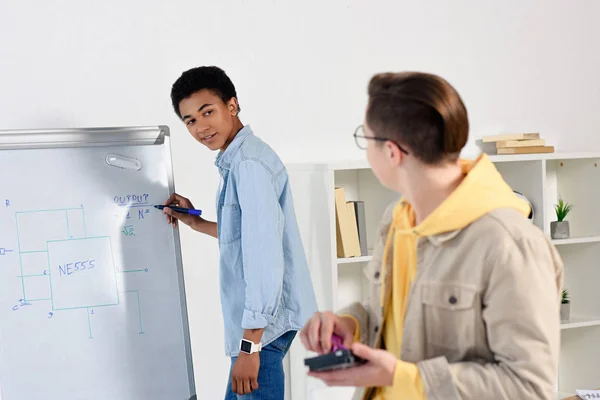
376 329
377 274
452 300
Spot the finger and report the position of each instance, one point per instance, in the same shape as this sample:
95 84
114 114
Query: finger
174 198
347 337
334 378
348 340
234 385
240 386
170 219
254 384
353 376
325 378
364 352
326 331
174 214
178 218
180 201
313 333
247 388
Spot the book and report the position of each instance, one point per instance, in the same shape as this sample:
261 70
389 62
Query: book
341 253
355 241
526 150
520 143
588 394
361 222
510 136
347 245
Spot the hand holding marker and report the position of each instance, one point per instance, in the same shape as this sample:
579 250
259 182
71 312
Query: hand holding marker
181 210
176 213
189 215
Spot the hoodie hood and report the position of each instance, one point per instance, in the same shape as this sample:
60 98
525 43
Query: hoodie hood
482 190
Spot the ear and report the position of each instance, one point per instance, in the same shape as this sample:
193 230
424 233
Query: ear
232 106
393 153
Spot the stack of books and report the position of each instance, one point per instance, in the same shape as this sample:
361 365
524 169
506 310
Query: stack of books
519 143
350 223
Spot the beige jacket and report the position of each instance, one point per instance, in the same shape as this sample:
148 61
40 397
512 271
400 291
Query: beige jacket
483 319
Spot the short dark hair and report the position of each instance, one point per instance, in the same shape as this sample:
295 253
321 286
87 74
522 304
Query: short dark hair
420 110
200 78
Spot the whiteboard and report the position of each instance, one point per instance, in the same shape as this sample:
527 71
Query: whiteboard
92 301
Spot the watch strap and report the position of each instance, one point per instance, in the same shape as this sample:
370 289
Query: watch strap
254 347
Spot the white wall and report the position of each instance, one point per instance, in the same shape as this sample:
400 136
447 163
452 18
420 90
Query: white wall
301 71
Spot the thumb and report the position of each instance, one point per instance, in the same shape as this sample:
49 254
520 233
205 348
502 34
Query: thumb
344 331
347 339
364 352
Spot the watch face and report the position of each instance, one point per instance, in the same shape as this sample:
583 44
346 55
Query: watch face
246 346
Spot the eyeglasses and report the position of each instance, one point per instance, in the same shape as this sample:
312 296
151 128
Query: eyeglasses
362 141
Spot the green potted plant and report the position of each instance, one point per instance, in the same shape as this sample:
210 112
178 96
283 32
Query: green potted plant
559 229
565 306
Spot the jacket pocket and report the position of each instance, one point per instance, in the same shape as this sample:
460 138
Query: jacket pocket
449 314
230 225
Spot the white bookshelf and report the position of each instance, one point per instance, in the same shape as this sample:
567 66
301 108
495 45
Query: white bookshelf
577 321
354 260
540 177
562 395
589 239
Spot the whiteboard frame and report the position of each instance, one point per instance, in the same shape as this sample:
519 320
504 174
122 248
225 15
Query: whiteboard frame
113 136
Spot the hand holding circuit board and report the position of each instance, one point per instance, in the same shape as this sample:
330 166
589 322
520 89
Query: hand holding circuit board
339 357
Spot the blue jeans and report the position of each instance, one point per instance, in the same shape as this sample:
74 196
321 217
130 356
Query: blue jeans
271 379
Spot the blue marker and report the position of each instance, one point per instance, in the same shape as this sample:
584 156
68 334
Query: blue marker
182 210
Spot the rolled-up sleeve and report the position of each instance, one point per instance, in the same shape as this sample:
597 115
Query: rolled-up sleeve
262 243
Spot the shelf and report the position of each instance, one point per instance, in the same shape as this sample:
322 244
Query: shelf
542 156
562 395
589 239
580 322
353 260
501 158
556 242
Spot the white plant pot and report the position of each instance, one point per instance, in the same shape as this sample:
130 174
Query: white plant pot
565 312
560 230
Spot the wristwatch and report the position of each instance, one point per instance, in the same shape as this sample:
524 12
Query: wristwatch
249 347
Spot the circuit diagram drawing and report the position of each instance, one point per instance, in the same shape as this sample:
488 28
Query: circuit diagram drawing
67 270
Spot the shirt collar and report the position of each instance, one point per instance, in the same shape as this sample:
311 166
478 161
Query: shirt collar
437 239
441 238
224 158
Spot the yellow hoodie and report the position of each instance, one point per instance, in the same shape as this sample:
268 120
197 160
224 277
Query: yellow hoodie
481 191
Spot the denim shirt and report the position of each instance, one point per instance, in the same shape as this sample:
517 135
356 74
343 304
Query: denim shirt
265 281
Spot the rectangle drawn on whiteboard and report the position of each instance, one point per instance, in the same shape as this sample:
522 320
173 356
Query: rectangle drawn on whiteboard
82 273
